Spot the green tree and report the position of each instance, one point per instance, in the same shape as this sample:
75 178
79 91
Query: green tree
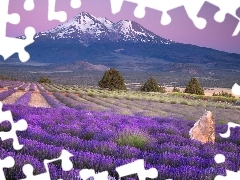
175 89
113 80
44 80
225 94
194 87
151 85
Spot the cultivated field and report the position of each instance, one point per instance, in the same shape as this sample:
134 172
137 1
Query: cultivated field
105 129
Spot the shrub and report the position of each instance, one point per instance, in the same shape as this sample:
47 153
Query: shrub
112 80
175 89
220 106
91 94
161 101
105 96
225 94
151 85
173 102
115 97
133 138
184 103
44 80
194 87
129 98
237 103
52 90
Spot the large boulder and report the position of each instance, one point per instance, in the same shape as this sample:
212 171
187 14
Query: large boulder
204 129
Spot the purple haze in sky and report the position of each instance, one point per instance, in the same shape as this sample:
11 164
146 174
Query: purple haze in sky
181 29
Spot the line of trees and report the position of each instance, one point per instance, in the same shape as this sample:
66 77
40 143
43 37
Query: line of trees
113 80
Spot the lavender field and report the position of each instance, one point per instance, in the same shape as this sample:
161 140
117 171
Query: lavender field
104 130
103 141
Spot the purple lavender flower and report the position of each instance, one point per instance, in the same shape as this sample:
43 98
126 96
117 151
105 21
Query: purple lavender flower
90 135
66 100
23 87
51 101
32 87
24 99
5 94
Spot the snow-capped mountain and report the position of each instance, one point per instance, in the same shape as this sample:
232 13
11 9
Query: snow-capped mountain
86 29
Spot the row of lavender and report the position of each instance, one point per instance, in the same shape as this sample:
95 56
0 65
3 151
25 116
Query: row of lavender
95 141
17 84
24 99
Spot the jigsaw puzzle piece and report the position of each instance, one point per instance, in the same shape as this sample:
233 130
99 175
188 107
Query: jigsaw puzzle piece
87 173
230 125
137 167
6 18
116 6
160 5
29 5
236 89
7 49
21 125
53 15
230 175
67 165
6 43
140 12
28 171
227 7
8 162
193 8
76 4
237 30
219 158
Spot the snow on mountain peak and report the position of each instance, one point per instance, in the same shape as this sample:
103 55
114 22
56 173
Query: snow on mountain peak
88 28
106 22
124 26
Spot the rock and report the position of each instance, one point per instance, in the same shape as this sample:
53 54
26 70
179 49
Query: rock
204 129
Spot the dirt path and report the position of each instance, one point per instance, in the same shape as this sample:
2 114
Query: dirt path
37 100
12 99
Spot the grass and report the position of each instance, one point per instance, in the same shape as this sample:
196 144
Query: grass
105 96
133 138
115 97
184 103
173 102
91 94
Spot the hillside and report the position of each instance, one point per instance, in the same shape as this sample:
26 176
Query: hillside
128 47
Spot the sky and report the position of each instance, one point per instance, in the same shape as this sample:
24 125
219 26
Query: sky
181 29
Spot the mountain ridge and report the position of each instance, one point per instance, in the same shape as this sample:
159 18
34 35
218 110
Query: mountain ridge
88 29
125 45
82 65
